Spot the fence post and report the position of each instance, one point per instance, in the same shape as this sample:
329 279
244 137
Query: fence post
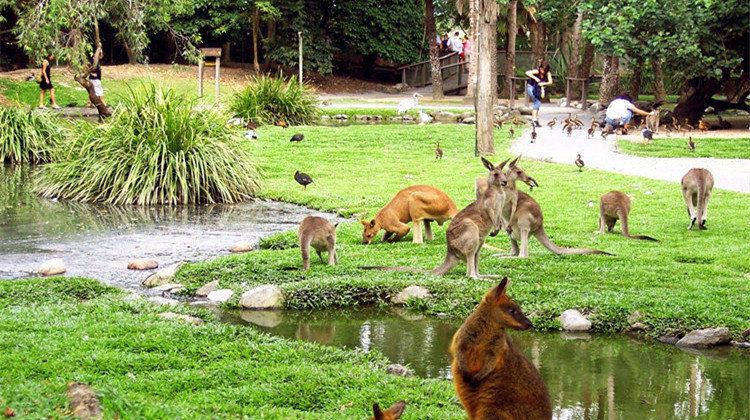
299 34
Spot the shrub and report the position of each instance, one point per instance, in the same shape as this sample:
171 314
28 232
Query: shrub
26 136
267 100
155 149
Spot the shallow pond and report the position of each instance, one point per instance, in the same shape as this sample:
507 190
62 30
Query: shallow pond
98 240
587 376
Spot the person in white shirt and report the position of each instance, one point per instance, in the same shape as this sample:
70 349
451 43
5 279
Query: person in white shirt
620 111
455 43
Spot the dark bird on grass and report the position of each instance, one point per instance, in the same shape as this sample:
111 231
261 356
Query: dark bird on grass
282 124
691 144
297 137
569 129
512 132
303 179
438 151
579 163
552 123
647 134
533 133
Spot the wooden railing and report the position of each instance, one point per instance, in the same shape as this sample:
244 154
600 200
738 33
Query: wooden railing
420 74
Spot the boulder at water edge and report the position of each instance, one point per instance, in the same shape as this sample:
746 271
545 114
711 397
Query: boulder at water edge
707 337
163 276
572 320
398 370
267 296
221 295
180 317
52 267
162 301
142 264
207 288
243 246
411 292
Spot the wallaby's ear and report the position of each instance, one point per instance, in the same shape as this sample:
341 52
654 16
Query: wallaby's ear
335 225
364 222
515 161
502 287
502 164
377 412
397 409
488 164
372 223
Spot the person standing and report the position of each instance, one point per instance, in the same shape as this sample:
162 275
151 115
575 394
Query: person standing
466 48
95 77
538 78
455 43
444 44
45 83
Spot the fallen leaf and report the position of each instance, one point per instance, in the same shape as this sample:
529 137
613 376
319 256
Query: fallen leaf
9 412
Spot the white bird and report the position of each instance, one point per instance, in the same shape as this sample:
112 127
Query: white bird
424 118
408 103
251 135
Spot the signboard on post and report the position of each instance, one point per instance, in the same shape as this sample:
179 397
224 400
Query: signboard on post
214 53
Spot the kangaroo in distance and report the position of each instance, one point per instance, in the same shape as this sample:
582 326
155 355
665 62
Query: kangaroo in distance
470 227
321 235
418 204
613 206
522 216
394 412
696 189
492 377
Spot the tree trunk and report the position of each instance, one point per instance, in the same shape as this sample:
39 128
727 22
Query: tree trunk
538 36
660 93
129 51
472 80
256 28
226 53
636 79
574 59
486 85
83 77
431 34
510 50
610 80
694 98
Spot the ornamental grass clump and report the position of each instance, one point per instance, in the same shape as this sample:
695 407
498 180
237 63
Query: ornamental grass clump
270 100
27 136
155 149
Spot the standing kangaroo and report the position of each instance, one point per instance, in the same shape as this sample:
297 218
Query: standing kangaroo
696 189
418 204
613 206
522 216
321 235
492 377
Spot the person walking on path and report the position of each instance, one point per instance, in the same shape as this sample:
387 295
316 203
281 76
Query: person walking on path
45 83
538 78
95 77
620 112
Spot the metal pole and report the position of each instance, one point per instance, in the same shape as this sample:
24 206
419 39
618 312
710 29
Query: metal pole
216 79
299 35
200 77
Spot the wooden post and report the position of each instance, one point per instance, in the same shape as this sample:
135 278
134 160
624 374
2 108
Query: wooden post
567 88
200 77
512 93
585 94
216 79
299 35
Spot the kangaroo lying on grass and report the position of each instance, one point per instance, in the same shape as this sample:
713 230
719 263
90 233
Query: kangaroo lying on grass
470 227
321 235
696 189
522 216
492 377
613 206
418 204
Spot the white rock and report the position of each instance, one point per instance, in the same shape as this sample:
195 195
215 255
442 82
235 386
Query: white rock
162 301
52 267
707 337
243 246
180 317
142 264
398 370
572 320
416 292
169 287
163 276
266 296
221 295
207 288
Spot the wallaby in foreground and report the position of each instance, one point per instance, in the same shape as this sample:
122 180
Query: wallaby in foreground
523 217
392 413
696 189
321 235
492 377
613 206
418 204
470 227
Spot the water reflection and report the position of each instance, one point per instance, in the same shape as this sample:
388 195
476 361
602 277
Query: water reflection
589 377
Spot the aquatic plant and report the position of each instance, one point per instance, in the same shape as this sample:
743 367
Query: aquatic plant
269 100
27 136
155 149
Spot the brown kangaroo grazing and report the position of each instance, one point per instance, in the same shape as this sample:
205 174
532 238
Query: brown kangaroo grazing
321 235
522 216
492 377
392 413
696 189
418 204
614 206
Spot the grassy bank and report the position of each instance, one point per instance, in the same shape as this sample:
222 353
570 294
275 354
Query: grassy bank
386 111
58 330
691 279
736 148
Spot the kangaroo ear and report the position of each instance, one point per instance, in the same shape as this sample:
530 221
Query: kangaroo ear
502 287
502 164
377 412
364 222
335 225
515 161
397 409
488 164
372 223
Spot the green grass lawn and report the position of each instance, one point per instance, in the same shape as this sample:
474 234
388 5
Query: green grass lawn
737 148
58 330
690 279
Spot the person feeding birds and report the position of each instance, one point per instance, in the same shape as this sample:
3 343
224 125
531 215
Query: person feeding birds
538 78
620 112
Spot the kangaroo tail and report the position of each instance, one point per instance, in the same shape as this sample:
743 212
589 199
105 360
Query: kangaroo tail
542 237
644 238
450 261
400 269
626 231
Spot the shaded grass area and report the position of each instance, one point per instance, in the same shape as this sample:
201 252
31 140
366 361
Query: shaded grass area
691 279
735 148
57 330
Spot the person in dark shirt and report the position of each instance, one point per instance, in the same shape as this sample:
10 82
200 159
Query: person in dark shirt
45 83
95 77
538 78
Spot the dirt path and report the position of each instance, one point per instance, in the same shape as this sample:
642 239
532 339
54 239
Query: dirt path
555 146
